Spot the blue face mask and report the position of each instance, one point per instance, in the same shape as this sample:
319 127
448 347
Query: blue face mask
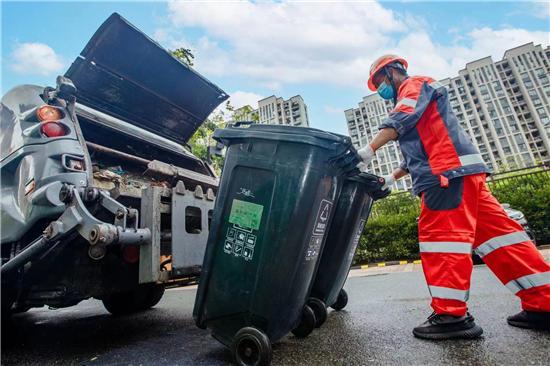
386 91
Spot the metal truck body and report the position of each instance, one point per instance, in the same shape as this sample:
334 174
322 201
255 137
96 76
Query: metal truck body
99 196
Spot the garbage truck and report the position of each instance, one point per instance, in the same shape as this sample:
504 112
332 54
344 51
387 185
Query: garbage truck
101 198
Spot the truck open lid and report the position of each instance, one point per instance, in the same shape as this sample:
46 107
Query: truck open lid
126 74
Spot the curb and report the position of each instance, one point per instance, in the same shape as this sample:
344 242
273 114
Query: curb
385 264
416 261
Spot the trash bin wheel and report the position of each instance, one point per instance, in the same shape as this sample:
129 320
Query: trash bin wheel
251 347
319 309
307 323
341 301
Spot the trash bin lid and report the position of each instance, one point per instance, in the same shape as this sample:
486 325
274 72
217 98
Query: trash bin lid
293 129
306 135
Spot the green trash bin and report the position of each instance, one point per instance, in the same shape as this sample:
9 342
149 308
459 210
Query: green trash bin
274 205
350 216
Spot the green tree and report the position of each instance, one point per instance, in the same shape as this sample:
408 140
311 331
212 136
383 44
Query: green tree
246 113
184 55
202 138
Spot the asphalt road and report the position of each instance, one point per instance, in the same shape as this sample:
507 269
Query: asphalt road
374 329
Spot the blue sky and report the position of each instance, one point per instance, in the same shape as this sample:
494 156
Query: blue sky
254 49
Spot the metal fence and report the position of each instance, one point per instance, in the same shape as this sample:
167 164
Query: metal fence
536 175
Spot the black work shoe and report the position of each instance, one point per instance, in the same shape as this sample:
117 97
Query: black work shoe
443 326
530 320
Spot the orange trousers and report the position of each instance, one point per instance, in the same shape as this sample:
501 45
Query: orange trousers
463 217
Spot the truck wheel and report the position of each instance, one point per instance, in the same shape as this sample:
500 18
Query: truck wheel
142 298
119 303
251 347
153 297
341 301
307 323
319 309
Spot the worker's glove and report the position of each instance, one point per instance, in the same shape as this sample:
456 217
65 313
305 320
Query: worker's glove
367 154
389 180
362 167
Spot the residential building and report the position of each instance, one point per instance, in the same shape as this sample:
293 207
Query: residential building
276 110
504 106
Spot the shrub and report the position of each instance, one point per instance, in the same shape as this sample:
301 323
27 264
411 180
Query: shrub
392 233
531 195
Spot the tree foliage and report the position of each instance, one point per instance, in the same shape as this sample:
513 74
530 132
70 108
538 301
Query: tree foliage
185 55
391 232
202 138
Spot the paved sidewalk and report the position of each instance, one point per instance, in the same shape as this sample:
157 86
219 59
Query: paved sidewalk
413 267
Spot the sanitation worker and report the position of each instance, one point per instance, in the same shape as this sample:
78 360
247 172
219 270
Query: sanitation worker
458 212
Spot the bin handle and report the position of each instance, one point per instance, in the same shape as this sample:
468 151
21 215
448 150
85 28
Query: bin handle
346 163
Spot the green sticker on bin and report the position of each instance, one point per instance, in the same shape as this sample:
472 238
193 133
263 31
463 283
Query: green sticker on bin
246 214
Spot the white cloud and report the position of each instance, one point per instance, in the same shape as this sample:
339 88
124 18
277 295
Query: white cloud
540 9
277 43
287 42
35 59
239 99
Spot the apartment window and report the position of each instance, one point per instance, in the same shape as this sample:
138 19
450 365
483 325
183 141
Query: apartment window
484 92
542 76
492 110
527 159
498 127
505 106
535 58
535 97
498 89
520 141
505 145
526 80
484 75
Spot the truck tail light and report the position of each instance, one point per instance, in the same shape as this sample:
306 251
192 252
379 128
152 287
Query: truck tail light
130 254
49 113
53 129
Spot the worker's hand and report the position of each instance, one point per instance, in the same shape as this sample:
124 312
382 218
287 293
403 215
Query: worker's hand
367 154
389 180
362 167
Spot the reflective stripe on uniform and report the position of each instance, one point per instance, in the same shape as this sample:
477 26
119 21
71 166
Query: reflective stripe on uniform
529 281
406 102
445 247
471 159
436 84
501 241
449 293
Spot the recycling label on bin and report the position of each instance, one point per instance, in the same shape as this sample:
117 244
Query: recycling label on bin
314 247
321 220
240 238
246 214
